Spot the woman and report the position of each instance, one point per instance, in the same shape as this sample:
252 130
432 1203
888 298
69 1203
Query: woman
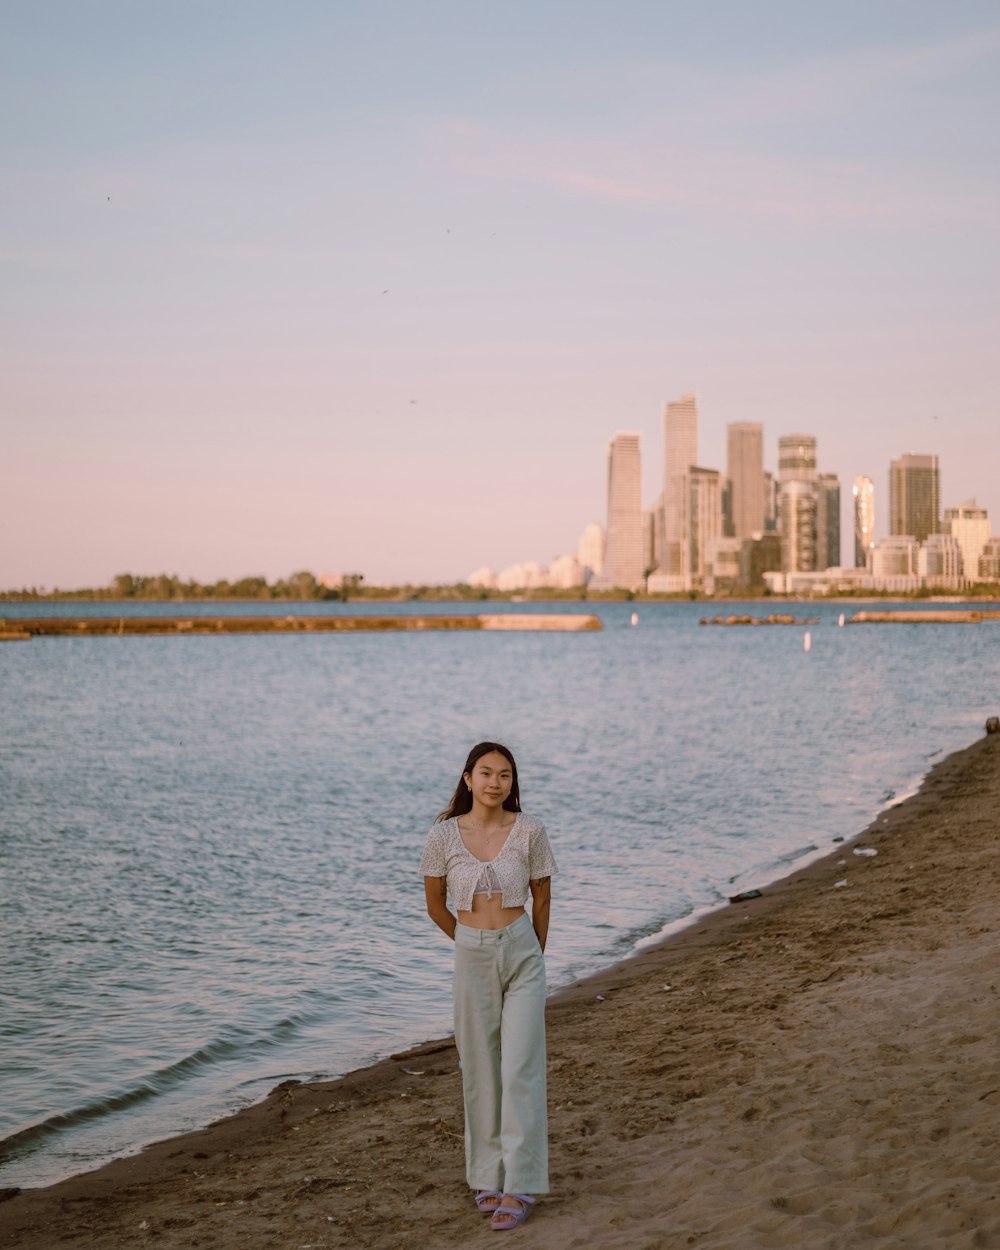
486 853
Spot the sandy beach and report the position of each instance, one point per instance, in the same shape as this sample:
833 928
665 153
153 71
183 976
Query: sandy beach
815 1068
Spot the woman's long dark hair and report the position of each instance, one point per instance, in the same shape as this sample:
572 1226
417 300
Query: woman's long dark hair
461 800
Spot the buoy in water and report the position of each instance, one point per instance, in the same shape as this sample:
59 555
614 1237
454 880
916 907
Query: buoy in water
635 619
840 620
807 641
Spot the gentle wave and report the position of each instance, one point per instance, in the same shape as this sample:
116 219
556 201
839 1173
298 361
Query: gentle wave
157 1083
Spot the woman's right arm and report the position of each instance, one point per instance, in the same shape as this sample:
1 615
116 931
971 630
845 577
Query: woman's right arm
436 889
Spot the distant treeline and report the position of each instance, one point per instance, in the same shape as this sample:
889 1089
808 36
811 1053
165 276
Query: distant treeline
302 586
305 587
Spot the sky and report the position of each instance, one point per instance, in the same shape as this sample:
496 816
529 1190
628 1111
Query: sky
369 287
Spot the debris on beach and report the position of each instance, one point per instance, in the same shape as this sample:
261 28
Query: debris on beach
746 896
865 850
839 885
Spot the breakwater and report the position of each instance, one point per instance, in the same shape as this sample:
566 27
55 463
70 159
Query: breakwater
956 616
87 626
773 619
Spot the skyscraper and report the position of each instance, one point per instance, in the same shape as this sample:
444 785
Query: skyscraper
745 470
680 452
970 526
914 496
797 502
704 516
623 553
798 527
797 458
864 521
770 504
827 521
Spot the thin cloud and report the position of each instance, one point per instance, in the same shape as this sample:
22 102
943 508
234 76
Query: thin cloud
713 146
840 83
648 171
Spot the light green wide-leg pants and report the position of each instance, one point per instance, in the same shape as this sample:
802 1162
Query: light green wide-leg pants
500 1034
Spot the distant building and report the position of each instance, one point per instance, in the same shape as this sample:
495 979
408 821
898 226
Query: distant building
770 504
914 496
745 471
565 572
527 576
680 452
939 562
704 518
590 549
969 525
895 556
722 564
827 582
759 554
796 458
989 561
651 520
827 521
798 526
623 555
864 521
797 502
483 579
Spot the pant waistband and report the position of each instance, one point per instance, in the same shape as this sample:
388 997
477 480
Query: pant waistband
470 936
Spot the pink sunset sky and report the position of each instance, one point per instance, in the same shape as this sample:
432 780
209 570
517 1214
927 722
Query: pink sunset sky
369 287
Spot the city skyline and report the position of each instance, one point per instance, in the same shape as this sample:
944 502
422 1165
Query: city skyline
695 537
374 290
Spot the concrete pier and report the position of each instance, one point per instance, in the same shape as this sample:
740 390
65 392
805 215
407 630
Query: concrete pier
960 616
92 626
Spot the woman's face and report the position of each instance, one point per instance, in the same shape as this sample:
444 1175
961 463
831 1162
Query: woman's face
491 779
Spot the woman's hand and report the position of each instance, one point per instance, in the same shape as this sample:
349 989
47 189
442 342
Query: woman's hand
436 890
541 900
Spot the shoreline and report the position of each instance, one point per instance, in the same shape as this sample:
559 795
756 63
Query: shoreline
758 880
351 1128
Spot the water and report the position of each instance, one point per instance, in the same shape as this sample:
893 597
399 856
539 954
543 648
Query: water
209 844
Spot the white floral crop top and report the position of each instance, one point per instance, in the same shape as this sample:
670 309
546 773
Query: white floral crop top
525 856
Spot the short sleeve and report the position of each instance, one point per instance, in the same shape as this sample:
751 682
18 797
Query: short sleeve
432 862
541 861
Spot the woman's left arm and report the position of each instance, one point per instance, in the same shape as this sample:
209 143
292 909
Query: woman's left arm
541 902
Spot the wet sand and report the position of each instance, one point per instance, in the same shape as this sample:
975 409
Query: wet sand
823 1071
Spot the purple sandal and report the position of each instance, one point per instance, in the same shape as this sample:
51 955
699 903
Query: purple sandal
520 1213
487 1195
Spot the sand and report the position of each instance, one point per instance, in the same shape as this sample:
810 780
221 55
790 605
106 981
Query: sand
823 1071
